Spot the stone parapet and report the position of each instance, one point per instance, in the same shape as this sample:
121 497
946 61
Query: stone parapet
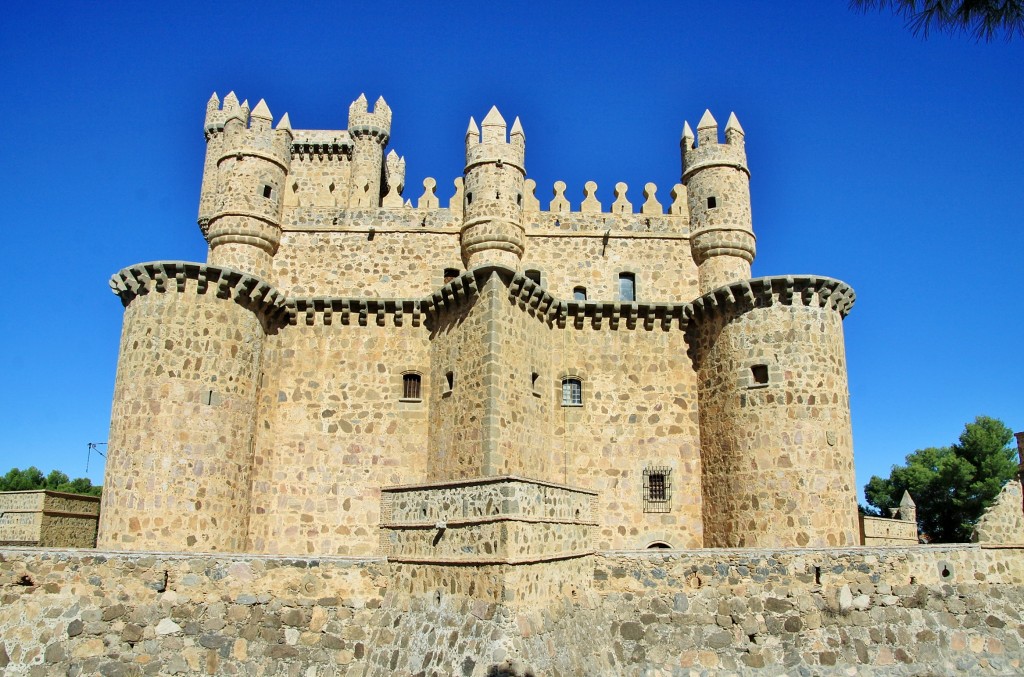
876 531
48 519
492 520
247 290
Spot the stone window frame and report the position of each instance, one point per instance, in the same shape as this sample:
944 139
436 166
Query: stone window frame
657 494
407 378
562 382
398 381
634 275
576 291
747 377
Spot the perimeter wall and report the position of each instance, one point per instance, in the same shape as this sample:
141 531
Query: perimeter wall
923 610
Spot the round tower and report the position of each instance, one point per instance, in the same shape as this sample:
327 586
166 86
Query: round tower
243 226
776 441
183 419
492 226
718 198
370 131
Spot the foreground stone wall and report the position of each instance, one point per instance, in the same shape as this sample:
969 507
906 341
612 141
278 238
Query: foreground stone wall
926 610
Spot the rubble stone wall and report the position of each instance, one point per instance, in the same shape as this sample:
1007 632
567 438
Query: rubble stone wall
1003 521
938 610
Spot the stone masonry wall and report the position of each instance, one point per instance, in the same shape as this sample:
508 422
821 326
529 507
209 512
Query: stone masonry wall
186 355
332 429
776 438
1003 521
639 411
926 610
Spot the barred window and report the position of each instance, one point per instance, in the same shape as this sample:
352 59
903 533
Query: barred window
411 387
572 392
658 489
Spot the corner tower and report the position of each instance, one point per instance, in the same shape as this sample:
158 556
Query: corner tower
370 131
718 194
243 181
492 227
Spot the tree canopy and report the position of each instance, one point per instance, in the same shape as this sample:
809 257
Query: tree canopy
951 485
32 478
984 19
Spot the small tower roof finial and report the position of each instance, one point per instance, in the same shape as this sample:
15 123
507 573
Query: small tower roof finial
213 103
494 126
517 128
733 124
473 132
687 132
262 111
285 123
707 120
907 501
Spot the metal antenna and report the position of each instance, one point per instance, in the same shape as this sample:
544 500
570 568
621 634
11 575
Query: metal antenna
93 446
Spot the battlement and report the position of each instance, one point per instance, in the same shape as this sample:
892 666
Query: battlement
364 123
489 142
706 151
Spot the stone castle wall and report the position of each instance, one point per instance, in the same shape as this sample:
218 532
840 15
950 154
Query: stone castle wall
46 518
1003 521
900 611
188 354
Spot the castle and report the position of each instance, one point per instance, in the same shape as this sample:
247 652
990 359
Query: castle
495 380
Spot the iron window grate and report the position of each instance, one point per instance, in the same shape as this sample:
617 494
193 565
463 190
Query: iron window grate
658 489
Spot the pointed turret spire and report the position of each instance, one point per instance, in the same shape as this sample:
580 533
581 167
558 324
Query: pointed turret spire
907 501
285 123
472 132
213 103
494 127
707 121
230 101
262 111
359 105
380 105
733 124
687 133
517 127
707 129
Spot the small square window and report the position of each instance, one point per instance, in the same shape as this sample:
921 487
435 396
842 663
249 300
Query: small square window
411 387
572 392
450 274
712 203
579 294
759 373
533 275
268 191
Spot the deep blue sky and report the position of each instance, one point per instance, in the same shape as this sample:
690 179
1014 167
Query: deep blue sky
878 158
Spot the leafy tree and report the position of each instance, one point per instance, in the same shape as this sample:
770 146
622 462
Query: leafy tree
984 19
952 485
32 478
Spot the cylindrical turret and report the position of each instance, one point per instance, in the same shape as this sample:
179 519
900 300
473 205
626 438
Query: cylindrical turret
370 132
179 457
776 441
492 226
718 196
244 228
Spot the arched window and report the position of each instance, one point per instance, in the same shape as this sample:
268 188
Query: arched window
579 294
572 392
659 545
627 287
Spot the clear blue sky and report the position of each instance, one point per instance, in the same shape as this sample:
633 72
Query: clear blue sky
887 161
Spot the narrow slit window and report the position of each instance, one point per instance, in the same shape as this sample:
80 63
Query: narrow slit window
712 202
411 387
579 294
572 392
450 380
534 377
627 287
